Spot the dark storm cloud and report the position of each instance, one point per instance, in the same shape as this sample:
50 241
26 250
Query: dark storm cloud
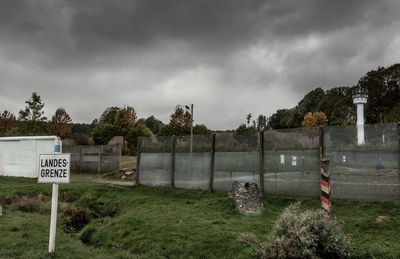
228 57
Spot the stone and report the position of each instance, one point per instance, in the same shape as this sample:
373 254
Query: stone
246 197
382 218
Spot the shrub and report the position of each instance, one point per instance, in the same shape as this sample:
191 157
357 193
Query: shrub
308 234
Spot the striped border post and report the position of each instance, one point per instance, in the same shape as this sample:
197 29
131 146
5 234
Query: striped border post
325 186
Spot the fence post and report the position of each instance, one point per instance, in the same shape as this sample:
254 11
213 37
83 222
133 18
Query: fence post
398 137
99 164
139 151
80 159
119 155
211 180
173 162
325 186
262 162
321 143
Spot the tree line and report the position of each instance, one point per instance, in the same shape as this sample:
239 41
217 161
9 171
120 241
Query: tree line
336 104
114 121
317 108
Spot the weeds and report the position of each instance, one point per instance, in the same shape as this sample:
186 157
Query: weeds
308 234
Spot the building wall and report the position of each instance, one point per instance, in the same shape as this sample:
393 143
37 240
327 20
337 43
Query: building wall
19 156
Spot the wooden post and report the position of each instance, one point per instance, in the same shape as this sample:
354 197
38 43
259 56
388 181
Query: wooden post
80 159
138 156
173 162
119 155
262 162
211 180
321 143
325 186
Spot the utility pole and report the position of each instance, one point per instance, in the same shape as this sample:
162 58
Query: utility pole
191 126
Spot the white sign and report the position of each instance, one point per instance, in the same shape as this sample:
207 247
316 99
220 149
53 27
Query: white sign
54 168
294 160
282 159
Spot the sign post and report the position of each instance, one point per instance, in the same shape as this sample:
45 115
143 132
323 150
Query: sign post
54 168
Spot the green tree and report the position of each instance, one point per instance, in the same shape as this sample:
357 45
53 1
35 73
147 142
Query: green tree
394 115
383 87
153 124
108 116
32 121
246 137
248 119
261 122
7 122
201 129
102 133
138 130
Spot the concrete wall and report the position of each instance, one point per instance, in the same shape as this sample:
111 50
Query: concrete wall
155 169
91 158
235 166
19 156
192 171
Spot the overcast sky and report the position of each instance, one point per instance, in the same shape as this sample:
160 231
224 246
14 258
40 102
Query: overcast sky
229 58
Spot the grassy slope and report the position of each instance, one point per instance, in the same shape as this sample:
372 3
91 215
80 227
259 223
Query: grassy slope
160 222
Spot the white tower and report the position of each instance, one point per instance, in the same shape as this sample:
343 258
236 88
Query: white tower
360 97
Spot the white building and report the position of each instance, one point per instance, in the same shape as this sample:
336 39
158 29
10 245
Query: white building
19 155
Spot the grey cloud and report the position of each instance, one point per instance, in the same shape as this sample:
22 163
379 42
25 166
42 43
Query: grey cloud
229 57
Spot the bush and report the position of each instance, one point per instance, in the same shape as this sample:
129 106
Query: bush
308 234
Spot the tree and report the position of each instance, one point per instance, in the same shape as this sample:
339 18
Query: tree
179 124
7 122
31 118
124 119
316 119
108 116
153 124
102 133
81 138
201 129
246 137
261 122
248 119
138 130
60 124
394 115
383 87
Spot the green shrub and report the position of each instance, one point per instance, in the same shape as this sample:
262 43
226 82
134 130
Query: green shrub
308 234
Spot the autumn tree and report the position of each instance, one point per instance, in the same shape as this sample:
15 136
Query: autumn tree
179 123
60 124
32 119
316 119
7 122
124 119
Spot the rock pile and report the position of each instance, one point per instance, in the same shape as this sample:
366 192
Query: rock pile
247 197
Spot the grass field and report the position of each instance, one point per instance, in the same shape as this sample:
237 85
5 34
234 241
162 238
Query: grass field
108 221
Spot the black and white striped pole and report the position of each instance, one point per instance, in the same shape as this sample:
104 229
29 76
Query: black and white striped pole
325 186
